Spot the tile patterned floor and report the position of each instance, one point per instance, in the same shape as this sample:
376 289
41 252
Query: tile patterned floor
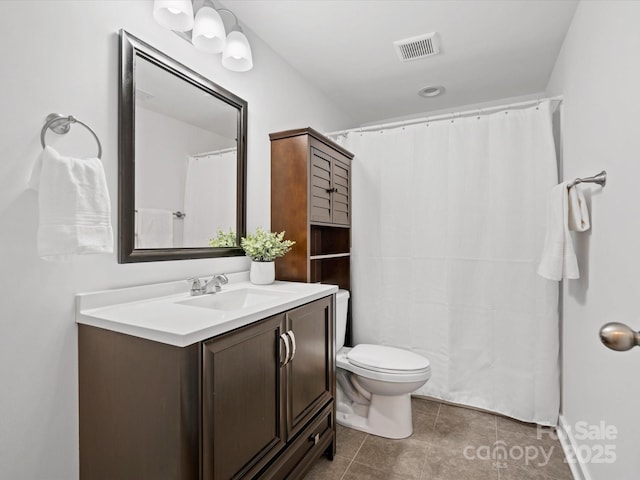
448 443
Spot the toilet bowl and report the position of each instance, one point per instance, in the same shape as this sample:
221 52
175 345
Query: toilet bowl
374 382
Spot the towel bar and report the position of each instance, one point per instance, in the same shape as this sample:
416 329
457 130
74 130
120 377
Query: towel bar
61 124
177 214
600 179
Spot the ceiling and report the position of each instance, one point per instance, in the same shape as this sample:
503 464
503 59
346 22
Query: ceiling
490 49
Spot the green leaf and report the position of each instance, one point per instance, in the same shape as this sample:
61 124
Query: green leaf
265 246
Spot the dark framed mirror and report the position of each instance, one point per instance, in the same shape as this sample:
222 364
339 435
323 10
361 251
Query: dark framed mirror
182 160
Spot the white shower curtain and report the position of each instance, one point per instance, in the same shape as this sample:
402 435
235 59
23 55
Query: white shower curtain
209 197
448 227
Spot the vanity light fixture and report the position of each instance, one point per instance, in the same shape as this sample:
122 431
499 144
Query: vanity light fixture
237 53
174 14
208 32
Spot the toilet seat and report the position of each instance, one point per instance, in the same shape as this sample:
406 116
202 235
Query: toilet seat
380 358
345 362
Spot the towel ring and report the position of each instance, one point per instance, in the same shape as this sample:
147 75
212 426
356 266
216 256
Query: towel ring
61 124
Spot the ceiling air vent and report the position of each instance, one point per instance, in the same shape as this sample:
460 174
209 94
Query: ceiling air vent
417 47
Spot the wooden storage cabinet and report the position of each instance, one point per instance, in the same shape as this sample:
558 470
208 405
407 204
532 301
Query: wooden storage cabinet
311 201
232 407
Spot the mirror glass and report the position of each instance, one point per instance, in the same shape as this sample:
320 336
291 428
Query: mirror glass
182 160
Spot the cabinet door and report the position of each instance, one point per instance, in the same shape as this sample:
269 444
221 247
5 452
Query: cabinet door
243 412
341 196
320 184
310 373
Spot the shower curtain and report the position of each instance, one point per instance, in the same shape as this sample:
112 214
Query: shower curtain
448 228
209 196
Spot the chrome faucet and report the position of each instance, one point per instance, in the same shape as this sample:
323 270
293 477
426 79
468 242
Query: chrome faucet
213 285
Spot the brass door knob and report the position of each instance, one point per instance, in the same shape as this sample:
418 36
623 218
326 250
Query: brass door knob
618 336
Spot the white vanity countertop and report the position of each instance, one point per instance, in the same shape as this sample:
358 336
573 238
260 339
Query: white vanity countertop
155 312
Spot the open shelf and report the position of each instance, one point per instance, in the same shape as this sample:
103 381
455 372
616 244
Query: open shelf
329 241
334 271
329 255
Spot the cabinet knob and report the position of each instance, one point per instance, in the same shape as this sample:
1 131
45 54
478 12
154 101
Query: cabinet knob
315 438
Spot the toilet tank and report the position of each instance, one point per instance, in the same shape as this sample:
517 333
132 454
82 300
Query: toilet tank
342 305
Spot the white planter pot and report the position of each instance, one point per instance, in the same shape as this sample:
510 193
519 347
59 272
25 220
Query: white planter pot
262 273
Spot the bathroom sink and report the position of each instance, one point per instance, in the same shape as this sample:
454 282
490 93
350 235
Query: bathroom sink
235 299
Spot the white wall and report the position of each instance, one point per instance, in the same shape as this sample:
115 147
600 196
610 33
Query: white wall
63 57
161 158
598 73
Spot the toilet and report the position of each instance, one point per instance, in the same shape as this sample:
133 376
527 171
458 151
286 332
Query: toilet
374 382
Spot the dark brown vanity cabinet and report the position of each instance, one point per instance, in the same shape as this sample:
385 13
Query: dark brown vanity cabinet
268 394
242 413
309 374
253 403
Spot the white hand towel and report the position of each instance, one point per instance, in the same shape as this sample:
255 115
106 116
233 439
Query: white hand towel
74 204
154 228
578 211
558 256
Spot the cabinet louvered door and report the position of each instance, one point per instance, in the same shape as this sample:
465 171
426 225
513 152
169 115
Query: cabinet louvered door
330 189
320 186
340 196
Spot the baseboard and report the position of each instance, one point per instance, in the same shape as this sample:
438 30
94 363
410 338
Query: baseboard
569 445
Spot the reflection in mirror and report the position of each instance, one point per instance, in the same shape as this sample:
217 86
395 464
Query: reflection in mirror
182 160
185 162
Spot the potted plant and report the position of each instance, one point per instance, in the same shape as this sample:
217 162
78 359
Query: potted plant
263 248
224 239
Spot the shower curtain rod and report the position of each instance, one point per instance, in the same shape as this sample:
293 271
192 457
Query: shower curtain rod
214 152
445 116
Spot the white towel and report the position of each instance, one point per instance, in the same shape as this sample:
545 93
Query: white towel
578 212
74 204
154 228
558 256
